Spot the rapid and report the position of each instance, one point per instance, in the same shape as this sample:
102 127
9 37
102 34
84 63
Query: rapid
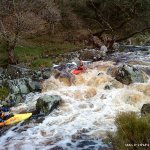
88 109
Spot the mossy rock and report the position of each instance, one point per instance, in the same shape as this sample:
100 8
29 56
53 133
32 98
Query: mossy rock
47 103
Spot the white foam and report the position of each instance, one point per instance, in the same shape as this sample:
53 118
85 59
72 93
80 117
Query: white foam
96 114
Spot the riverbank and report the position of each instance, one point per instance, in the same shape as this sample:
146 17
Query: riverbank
85 110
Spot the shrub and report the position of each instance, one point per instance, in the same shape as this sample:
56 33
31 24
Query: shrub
3 93
133 132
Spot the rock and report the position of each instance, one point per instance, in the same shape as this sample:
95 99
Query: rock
1 70
112 71
37 75
145 109
13 99
90 54
47 103
57 148
76 61
1 83
146 70
64 76
83 144
103 50
18 86
108 87
46 74
18 71
127 74
34 86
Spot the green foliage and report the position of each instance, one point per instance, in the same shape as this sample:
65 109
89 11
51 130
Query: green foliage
131 132
41 63
3 93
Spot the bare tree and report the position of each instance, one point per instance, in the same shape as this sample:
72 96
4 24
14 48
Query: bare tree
18 17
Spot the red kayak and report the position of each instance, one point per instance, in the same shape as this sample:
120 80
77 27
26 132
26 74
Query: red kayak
76 71
79 70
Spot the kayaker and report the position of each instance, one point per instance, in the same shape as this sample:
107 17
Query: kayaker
81 66
4 113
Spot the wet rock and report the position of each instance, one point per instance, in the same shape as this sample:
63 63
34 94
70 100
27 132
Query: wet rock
145 109
127 74
47 103
64 76
46 74
112 71
146 70
116 84
34 86
108 87
82 144
57 148
105 148
76 60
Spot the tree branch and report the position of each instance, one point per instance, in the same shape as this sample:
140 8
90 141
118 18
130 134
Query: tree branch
100 16
132 34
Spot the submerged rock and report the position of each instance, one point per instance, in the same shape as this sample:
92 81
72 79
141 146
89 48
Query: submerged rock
145 109
47 103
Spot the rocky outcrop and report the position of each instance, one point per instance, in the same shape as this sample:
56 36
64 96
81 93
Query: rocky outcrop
20 81
127 74
47 103
145 109
17 71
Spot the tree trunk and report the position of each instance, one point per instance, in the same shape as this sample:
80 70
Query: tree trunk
11 56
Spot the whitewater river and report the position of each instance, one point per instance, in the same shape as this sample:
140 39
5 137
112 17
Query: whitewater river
88 109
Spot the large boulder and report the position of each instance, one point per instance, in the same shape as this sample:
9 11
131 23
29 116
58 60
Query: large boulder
145 109
47 103
128 74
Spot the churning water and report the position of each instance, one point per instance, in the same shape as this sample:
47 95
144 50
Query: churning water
87 112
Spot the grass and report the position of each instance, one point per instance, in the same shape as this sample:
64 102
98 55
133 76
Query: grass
35 54
133 132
